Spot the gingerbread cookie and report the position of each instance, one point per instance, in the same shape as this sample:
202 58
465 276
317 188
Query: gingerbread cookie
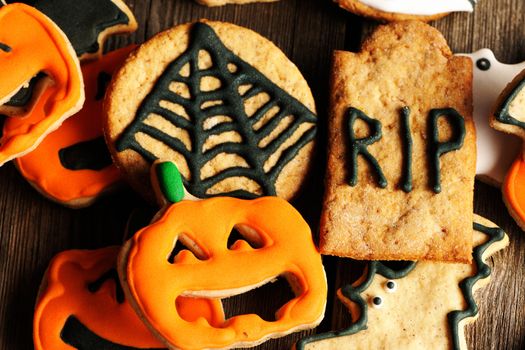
423 305
226 2
82 306
496 151
30 43
186 253
222 102
402 10
402 151
76 151
509 117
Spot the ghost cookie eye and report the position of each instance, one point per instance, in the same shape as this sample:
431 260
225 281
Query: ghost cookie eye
390 286
377 302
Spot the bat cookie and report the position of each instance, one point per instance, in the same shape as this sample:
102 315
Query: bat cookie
496 151
72 166
402 149
402 10
423 305
222 102
185 252
509 117
30 43
81 305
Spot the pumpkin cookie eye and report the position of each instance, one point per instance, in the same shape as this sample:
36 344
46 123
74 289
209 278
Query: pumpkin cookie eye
377 302
245 233
390 286
186 245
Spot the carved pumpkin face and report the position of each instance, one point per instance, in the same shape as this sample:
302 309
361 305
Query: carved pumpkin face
155 277
82 306
30 43
76 151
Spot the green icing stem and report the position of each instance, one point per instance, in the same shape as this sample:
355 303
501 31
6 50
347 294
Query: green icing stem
170 181
353 293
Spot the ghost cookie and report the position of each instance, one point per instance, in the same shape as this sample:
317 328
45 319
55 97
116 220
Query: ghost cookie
402 10
496 151
76 151
222 102
409 305
81 305
30 43
185 252
509 117
401 160
226 2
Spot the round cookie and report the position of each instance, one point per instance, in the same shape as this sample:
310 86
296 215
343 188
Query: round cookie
403 10
222 102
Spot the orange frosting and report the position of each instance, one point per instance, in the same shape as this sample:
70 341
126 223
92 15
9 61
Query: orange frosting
66 293
42 167
288 250
36 45
514 189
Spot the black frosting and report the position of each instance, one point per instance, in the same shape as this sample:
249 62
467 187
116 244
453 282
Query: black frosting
88 155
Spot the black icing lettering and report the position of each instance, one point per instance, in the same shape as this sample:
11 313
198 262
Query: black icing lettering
88 155
435 148
406 136
358 146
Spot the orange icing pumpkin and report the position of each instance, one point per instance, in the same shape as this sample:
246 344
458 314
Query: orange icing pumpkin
75 151
81 306
155 279
31 43
514 189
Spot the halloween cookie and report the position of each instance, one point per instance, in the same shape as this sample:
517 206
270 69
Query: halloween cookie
423 305
509 117
76 151
222 102
496 151
82 306
226 2
30 43
185 253
401 161
402 10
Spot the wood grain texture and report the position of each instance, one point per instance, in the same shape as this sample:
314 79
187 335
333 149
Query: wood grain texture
32 229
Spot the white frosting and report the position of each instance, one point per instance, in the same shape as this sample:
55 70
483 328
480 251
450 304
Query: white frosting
420 7
496 150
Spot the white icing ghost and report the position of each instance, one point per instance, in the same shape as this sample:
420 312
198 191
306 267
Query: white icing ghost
496 150
421 7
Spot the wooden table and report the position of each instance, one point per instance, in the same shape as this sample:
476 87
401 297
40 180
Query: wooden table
32 229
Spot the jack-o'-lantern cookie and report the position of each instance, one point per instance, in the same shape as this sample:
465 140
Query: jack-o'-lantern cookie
226 2
222 102
186 253
409 305
402 149
81 305
402 10
30 43
76 151
509 117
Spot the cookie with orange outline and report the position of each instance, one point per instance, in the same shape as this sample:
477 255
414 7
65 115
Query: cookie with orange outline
87 24
509 117
402 10
81 305
185 253
76 151
30 43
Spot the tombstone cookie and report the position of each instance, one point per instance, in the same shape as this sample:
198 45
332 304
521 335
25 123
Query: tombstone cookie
82 306
76 151
222 102
423 305
402 10
402 152
30 43
509 117
496 151
185 252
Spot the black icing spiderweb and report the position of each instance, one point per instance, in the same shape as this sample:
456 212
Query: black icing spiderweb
228 100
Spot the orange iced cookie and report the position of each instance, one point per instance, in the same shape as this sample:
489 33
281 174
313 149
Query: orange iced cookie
81 306
30 43
276 242
76 151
